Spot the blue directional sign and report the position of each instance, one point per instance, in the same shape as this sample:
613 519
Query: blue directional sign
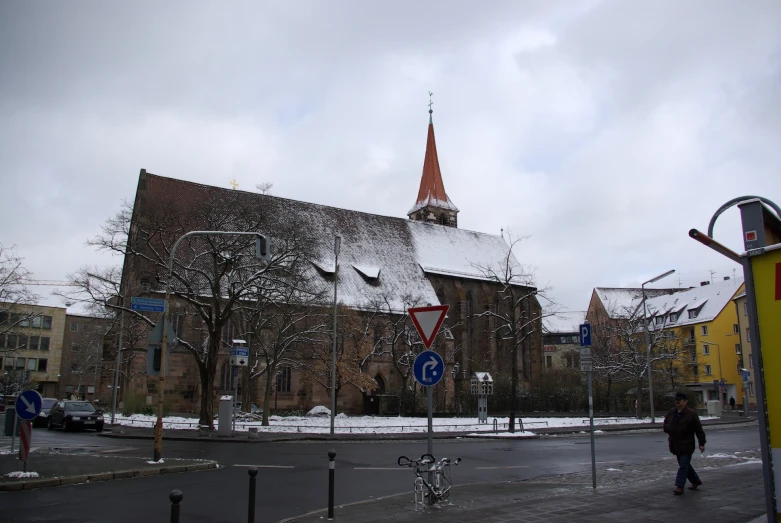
746 375
585 335
28 405
428 368
147 304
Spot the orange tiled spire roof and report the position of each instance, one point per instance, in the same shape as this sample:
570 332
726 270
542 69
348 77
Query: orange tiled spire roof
432 189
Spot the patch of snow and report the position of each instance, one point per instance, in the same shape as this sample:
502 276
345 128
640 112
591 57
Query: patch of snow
719 455
156 462
370 271
748 462
18 474
341 415
319 412
599 432
613 470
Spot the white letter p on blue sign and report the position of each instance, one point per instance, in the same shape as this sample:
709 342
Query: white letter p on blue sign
585 335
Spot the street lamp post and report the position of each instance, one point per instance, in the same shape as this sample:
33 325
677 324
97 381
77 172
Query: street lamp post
648 344
337 245
261 251
118 362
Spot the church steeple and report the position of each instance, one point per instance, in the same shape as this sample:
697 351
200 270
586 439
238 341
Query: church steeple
433 204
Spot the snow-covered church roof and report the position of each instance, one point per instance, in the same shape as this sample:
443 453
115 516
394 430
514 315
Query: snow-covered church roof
380 256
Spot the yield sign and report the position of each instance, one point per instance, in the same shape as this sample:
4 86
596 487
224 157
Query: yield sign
427 321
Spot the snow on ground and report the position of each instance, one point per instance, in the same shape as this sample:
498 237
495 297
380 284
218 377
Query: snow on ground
379 424
17 474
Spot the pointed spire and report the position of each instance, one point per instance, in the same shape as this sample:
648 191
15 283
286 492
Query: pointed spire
432 198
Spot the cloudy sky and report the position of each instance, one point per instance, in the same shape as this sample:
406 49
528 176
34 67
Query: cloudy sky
603 130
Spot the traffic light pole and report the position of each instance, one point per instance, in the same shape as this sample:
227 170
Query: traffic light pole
262 252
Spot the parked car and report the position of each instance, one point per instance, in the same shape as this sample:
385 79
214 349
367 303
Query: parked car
43 418
73 415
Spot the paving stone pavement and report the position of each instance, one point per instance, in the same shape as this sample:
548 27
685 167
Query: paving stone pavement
732 493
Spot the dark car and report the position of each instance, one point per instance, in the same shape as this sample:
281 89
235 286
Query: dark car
73 415
43 418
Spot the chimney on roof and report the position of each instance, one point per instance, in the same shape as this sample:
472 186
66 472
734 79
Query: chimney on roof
704 283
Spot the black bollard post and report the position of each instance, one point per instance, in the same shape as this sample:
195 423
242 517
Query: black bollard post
253 472
331 465
176 497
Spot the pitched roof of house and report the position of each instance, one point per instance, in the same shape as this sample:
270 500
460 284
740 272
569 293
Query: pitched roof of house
707 300
620 301
379 255
432 189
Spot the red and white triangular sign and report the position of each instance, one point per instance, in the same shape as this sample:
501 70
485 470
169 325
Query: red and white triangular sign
427 321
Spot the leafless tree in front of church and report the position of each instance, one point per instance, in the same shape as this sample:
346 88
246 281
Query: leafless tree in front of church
517 315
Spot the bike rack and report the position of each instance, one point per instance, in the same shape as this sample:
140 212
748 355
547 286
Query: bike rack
419 497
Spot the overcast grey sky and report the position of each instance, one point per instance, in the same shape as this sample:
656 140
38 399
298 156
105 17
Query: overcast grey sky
604 130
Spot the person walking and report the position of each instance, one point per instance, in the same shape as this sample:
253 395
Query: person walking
732 402
681 424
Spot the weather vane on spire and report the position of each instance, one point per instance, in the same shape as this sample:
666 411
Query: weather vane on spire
430 102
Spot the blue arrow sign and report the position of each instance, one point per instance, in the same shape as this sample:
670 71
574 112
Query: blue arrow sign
585 335
147 304
28 405
428 368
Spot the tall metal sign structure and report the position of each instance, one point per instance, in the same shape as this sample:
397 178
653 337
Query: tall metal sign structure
762 271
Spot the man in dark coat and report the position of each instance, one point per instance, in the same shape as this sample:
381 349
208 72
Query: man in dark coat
681 424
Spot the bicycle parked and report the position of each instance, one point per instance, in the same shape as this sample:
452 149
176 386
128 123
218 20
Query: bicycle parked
439 488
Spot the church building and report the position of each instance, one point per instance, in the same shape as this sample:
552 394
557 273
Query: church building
422 259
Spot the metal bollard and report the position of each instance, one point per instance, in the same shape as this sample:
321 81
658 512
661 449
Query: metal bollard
176 497
496 426
253 472
331 466
520 421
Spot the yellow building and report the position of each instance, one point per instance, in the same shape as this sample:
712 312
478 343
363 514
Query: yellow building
745 342
705 324
31 338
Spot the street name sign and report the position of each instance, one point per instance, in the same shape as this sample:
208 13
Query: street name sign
428 368
28 405
147 304
427 321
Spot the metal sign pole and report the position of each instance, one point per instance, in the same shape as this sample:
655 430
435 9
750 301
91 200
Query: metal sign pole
430 438
591 417
236 395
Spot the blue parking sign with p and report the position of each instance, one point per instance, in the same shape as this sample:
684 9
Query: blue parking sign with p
585 335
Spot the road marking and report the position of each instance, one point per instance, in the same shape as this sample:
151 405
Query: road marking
267 466
380 468
508 467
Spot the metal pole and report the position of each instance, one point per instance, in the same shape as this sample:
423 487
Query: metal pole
176 497
331 467
253 472
337 243
647 360
591 418
235 395
16 417
118 363
759 389
430 440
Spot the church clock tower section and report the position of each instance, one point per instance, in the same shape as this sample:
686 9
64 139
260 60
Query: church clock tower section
433 204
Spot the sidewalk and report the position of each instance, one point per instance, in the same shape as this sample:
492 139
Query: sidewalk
729 494
129 432
55 469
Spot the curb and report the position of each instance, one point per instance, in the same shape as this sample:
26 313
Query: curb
31 484
412 436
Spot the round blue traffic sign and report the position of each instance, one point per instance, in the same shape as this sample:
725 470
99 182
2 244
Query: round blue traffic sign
28 405
428 368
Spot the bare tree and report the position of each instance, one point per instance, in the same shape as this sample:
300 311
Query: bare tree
211 274
14 294
354 348
264 188
517 314
14 381
85 355
625 353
